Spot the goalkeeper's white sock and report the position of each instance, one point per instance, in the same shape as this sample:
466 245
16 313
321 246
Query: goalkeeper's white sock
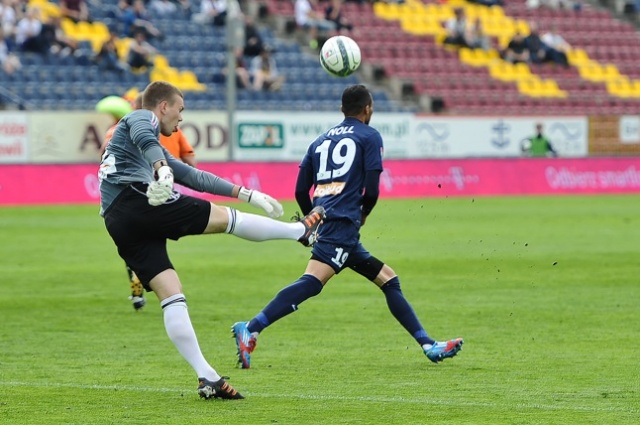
258 228
181 333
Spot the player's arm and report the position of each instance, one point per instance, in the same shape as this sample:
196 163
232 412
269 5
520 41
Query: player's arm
204 181
303 186
371 193
373 160
145 137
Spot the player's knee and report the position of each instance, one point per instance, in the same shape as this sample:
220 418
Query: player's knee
392 284
221 219
369 268
311 285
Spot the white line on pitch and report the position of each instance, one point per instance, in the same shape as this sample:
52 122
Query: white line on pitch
332 397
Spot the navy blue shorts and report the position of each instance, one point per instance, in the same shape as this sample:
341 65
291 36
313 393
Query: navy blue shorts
140 231
339 245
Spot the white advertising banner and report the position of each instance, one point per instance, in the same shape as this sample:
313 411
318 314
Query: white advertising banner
285 137
14 137
66 137
495 137
279 136
75 137
207 133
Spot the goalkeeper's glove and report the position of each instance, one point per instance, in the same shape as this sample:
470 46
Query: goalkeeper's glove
260 200
161 190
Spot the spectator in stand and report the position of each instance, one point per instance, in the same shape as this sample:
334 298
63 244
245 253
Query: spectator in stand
9 16
185 8
253 43
488 3
28 31
243 79
538 51
457 29
163 8
555 4
333 13
557 47
76 10
9 62
133 16
108 58
312 21
516 51
265 72
476 37
57 40
141 52
212 12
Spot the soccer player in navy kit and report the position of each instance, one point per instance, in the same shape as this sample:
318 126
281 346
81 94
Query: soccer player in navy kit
343 167
141 211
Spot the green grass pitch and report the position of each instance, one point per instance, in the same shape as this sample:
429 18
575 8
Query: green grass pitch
545 291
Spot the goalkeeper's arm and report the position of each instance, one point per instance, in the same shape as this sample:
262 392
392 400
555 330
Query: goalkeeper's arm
203 181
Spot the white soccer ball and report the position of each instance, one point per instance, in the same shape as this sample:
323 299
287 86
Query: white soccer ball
340 56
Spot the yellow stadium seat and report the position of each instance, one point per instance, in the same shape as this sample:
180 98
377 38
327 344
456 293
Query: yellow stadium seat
100 28
421 25
506 71
529 87
84 30
577 57
389 11
157 75
535 87
96 44
593 71
620 87
549 88
478 57
610 72
122 44
160 62
189 81
69 27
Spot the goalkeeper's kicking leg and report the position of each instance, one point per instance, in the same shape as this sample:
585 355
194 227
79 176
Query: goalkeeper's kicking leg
137 291
246 226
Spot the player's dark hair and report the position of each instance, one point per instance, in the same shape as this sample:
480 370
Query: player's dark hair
159 91
354 100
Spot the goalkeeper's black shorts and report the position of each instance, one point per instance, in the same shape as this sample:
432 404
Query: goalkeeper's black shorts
140 231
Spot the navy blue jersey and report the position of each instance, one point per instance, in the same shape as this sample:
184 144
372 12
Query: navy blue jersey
340 159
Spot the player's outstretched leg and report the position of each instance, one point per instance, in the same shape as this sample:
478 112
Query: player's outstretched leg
219 389
311 223
245 342
137 291
443 349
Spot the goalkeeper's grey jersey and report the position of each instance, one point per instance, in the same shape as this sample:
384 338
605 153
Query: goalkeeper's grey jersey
130 154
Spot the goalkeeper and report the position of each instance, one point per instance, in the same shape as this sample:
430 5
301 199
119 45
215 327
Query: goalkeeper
141 211
176 144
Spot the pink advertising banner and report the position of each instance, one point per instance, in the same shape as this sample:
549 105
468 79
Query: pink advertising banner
69 184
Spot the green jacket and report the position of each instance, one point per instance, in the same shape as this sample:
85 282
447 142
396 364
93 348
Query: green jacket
541 146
